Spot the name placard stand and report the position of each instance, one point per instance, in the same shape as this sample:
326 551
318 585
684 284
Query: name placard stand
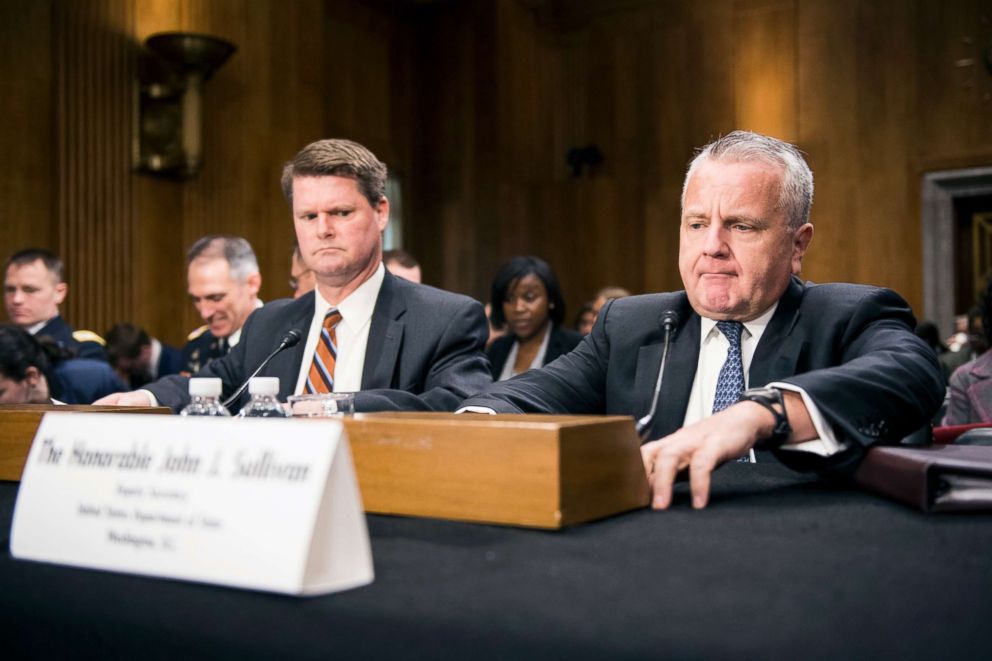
262 504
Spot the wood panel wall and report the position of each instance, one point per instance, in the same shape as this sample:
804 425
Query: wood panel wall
474 104
874 91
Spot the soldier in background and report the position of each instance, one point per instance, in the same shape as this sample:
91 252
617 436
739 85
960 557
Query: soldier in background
223 280
34 287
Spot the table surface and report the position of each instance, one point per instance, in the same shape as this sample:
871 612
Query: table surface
780 565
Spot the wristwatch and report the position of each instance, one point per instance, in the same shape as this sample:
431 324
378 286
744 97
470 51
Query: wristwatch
771 399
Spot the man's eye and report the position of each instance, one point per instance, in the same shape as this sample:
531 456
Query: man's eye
741 227
695 226
343 213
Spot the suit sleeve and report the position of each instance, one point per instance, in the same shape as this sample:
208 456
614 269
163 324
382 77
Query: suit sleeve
173 390
572 383
958 406
886 383
455 368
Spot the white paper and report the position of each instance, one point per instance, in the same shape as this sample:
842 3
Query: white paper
267 504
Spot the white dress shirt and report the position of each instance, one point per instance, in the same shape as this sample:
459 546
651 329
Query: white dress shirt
352 334
511 358
713 347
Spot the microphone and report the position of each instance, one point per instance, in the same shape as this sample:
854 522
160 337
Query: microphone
290 339
669 320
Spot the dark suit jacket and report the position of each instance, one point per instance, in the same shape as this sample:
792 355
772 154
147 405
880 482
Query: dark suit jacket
61 332
562 341
424 351
170 361
851 347
85 380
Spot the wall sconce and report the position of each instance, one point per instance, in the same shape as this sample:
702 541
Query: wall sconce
171 74
582 159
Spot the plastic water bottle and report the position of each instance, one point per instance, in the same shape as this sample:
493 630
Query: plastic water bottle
205 398
264 402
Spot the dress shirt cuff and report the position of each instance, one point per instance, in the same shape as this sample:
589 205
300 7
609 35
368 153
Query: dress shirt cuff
153 398
827 443
476 409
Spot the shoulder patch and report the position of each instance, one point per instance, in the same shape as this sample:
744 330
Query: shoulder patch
88 336
197 333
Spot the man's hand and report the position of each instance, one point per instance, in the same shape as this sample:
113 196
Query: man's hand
705 445
702 447
134 398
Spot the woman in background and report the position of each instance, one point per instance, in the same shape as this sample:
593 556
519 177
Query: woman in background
527 299
969 391
34 371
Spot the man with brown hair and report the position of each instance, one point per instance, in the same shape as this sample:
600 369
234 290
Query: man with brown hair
34 286
396 344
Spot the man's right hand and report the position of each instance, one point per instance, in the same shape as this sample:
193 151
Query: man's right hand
134 398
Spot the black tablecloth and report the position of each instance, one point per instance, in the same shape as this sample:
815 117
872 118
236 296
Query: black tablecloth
780 566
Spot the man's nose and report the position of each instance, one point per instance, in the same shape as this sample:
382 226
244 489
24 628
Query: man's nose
206 310
325 225
714 241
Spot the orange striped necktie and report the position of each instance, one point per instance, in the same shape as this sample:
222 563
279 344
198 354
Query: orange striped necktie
321 376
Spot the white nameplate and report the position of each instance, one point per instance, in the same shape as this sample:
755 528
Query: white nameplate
254 503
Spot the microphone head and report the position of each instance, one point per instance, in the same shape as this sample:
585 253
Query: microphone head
292 337
669 320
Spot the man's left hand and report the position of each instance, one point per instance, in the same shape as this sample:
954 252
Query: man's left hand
701 448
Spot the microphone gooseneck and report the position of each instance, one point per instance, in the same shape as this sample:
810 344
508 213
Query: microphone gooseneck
291 338
669 321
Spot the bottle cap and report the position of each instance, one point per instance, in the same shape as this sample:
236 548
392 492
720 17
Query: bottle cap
205 387
264 385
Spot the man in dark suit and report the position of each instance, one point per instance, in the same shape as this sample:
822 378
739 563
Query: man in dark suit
400 345
837 367
34 287
139 358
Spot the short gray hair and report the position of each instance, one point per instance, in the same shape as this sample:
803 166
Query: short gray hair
338 158
234 250
796 195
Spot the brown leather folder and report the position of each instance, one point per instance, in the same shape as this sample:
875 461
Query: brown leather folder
940 478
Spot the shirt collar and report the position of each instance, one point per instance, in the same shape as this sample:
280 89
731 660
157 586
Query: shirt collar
357 308
755 327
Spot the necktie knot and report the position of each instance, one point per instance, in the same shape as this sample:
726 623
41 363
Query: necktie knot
732 331
332 318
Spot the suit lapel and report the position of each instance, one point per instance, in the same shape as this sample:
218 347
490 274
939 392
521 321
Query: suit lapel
287 366
777 353
385 336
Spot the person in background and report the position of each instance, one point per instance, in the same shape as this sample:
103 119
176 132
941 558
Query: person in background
139 358
606 294
527 298
585 319
34 287
223 282
301 278
965 346
38 371
401 263
927 331
969 391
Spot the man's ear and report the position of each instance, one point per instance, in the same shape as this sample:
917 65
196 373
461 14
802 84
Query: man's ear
61 289
382 213
254 283
800 244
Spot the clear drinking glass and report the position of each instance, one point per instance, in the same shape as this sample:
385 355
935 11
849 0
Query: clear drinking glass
322 405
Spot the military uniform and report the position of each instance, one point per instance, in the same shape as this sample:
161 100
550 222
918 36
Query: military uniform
201 347
84 380
84 343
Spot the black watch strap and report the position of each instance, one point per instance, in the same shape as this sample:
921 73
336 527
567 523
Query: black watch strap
771 399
